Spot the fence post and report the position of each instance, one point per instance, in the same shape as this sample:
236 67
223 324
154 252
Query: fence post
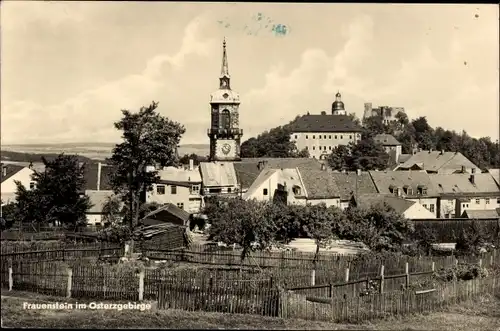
70 281
271 282
141 285
313 277
381 279
407 273
456 262
480 263
346 278
433 266
330 291
11 279
491 259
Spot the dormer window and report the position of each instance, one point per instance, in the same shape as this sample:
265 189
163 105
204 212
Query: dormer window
296 190
407 190
422 189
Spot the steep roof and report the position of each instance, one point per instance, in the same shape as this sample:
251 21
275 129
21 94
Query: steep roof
324 123
438 161
386 139
91 175
486 213
403 158
319 184
346 183
168 213
495 173
383 180
216 174
247 170
461 184
98 200
398 204
10 170
265 175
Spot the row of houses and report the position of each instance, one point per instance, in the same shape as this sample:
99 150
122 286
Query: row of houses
429 184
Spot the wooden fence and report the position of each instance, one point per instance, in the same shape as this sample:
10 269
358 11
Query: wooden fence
361 308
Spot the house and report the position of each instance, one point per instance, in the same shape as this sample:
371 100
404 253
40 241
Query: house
439 162
179 186
248 169
388 114
168 213
410 185
319 187
320 133
219 178
481 214
391 145
353 183
270 184
460 192
409 209
9 175
98 199
164 236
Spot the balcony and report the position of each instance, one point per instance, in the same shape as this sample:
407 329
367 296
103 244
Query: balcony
224 132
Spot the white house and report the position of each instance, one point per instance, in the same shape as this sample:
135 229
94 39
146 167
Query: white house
9 175
409 209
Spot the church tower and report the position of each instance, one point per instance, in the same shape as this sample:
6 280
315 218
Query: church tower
338 106
224 133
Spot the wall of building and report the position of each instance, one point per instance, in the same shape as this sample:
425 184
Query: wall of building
449 205
318 143
430 203
329 202
417 211
8 188
184 197
93 219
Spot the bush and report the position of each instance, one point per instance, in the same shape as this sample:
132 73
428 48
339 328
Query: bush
463 271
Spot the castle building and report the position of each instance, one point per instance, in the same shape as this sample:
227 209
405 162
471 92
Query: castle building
388 114
224 133
320 133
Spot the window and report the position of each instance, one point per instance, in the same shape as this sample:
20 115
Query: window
330 147
295 136
307 137
324 137
477 201
307 147
498 201
487 201
180 205
330 137
425 206
225 119
195 189
228 190
264 191
314 137
341 137
431 207
350 137
335 136
409 191
319 147
173 189
319 137
32 185
160 189
446 215
314 148
296 190
424 191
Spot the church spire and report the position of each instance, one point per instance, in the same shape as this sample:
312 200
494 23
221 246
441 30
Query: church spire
224 71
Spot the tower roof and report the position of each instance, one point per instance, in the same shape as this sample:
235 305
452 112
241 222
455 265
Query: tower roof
224 71
338 105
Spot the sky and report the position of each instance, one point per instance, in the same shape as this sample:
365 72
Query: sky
69 68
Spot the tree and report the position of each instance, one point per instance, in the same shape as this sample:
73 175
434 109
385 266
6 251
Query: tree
196 159
366 154
57 195
241 222
373 125
149 139
8 217
112 210
379 227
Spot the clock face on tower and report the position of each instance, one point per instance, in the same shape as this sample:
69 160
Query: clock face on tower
226 148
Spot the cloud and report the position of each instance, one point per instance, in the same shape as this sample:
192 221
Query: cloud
89 116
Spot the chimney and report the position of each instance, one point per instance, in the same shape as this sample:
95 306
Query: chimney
472 179
473 170
323 166
191 164
4 171
260 165
442 152
99 165
30 165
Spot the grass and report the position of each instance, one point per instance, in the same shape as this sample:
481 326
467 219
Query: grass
480 314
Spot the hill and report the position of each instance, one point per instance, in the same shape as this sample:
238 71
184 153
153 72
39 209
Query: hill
85 151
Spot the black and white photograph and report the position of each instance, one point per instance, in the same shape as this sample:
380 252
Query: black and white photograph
216 165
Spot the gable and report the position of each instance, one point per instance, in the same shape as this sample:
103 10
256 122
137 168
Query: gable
9 170
417 211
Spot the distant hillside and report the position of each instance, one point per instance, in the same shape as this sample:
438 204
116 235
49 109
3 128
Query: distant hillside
85 151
